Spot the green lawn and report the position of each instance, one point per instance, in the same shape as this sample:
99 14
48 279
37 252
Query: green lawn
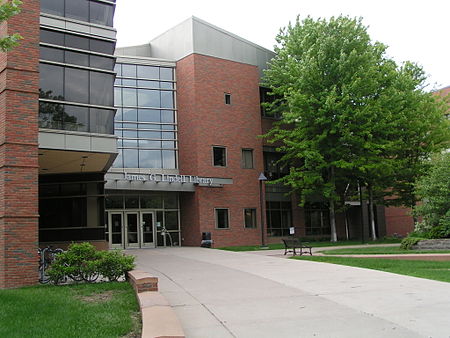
378 251
84 310
425 269
314 244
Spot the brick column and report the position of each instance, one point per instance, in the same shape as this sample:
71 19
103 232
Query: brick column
19 84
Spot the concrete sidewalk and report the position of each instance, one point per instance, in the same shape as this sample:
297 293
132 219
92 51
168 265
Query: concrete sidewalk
228 294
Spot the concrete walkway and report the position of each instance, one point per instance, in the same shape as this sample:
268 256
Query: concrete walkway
228 294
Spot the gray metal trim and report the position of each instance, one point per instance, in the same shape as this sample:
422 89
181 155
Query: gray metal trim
79 104
141 60
71 65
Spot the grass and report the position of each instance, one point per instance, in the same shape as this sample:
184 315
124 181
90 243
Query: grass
378 251
439 271
314 244
84 310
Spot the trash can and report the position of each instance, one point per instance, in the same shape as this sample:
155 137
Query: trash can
206 240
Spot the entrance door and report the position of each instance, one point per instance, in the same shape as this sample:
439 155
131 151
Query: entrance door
132 233
147 229
116 229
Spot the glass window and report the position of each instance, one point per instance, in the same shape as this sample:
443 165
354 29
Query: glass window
114 202
166 99
129 114
129 82
222 219
77 58
130 158
219 157
279 218
148 84
131 202
227 98
102 46
51 82
129 70
129 96
250 218
102 121
76 85
150 159
167 116
148 72
166 74
149 98
118 163
151 202
101 85
170 201
52 54
168 135
77 41
78 10
149 115
55 7
171 220
169 159
101 13
76 118
117 96
101 62
51 115
247 158
55 38
149 144
166 85
118 69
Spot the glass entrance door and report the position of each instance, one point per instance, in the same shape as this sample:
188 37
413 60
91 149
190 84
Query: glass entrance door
132 235
115 221
147 229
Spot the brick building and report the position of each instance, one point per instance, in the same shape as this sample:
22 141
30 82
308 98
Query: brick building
155 145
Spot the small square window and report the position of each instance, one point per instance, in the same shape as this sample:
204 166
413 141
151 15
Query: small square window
247 158
219 157
222 219
227 98
250 218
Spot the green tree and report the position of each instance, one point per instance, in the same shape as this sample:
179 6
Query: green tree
434 192
7 10
345 107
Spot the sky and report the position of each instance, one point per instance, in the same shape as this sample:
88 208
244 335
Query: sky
414 30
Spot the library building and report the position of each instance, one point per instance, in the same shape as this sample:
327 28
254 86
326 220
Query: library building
156 145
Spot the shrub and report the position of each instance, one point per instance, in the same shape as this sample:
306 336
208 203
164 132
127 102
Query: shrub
114 264
82 262
408 242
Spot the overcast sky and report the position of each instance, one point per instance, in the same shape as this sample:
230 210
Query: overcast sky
414 30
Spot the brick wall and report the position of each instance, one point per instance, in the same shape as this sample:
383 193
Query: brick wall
19 83
398 221
204 120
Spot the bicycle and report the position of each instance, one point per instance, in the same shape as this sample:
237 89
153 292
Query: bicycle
165 233
47 256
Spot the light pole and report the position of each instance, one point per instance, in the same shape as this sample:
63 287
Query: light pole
261 179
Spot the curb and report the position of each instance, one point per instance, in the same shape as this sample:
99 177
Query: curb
158 318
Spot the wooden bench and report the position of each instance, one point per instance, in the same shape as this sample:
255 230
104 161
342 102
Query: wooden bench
291 244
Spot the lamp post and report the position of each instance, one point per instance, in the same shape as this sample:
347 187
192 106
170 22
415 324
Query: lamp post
261 179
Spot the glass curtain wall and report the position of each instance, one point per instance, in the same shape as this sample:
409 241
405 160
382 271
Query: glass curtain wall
146 120
77 70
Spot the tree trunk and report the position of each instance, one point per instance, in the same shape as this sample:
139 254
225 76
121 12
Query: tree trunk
371 213
332 222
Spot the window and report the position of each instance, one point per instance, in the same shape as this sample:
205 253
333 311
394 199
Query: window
227 98
222 219
247 158
219 157
250 218
279 219
317 219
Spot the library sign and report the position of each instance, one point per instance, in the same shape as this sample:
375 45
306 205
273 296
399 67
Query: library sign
168 178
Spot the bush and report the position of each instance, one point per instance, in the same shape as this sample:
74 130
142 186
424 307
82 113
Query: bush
114 264
408 242
82 262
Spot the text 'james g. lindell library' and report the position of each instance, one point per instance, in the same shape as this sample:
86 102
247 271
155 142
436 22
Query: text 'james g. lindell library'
140 147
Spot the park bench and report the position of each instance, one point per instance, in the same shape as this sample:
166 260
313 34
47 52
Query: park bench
291 244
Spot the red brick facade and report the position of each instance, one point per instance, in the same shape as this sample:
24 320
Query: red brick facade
19 84
204 121
398 221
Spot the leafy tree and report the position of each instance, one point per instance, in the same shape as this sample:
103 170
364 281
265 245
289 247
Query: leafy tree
434 191
7 10
345 110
